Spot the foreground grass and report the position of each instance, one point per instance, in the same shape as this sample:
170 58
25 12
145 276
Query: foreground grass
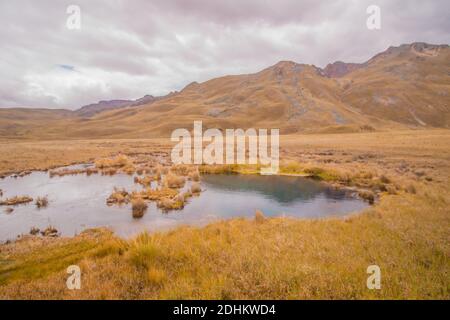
406 235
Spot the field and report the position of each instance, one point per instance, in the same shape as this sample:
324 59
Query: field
406 232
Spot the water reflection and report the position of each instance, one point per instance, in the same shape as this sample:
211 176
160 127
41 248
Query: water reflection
79 202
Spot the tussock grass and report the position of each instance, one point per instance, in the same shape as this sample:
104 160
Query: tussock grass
194 175
34 231
138 207
167 204
196 188
155 194
280 258
41 202
367 195
259 217
171 180
119 196
144 181
116 162
50 231
406 234
72 172
16 201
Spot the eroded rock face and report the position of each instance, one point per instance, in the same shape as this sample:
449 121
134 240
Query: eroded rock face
339 69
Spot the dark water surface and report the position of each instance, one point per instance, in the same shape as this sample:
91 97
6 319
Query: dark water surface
79 202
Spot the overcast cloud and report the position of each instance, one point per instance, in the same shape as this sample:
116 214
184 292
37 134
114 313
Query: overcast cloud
126 49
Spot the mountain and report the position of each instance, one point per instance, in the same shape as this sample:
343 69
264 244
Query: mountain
94 108
339 69
403 87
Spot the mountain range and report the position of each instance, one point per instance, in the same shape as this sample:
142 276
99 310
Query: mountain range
403 87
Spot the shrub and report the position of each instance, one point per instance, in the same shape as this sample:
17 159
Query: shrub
138 207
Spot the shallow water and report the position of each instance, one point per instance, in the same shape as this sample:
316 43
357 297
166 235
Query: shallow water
79 202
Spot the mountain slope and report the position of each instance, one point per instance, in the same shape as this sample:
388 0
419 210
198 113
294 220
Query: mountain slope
405 86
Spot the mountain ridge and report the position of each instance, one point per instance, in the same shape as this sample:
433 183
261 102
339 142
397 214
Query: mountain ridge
405 86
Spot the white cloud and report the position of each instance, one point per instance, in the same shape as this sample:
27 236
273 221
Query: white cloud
126 49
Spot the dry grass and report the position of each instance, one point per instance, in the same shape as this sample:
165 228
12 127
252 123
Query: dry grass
155 194
196 188
138 207
167 204
50 231
259 217
406 233
194 175
8 210
71 172
16 201
41 202
34 231
119 161
119 196
144 181
280 258
171 180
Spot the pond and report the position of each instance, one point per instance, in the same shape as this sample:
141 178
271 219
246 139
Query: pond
78 202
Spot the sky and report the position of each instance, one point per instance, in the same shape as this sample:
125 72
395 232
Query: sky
127 49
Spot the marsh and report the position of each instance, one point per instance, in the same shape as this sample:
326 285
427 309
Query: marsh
78 202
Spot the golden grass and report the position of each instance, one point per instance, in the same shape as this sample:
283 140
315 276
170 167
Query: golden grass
194 175
119 196
167 204
280 258
138 207
41 202
144 181
171 180
196 188
406 233
259 217
16 201
118 161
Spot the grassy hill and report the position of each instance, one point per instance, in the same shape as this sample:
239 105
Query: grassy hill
402 87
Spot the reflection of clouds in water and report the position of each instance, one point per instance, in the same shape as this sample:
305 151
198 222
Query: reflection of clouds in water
79 202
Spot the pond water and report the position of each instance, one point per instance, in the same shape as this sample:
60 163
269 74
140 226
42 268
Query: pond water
78 202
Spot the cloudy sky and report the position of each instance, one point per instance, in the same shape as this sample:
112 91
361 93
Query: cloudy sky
126 49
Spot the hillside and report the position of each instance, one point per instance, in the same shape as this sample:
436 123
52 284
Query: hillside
405 86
